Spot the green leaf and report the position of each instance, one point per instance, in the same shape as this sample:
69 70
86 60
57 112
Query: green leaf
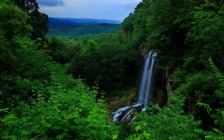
24 132
115 136
59 137
147 135
137 128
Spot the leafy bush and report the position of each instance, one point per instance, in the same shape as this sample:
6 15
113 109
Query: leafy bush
23 66
66 114
168 123
105 59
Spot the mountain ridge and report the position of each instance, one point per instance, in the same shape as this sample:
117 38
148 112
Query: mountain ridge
72 22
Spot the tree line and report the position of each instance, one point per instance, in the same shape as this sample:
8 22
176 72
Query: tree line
53 87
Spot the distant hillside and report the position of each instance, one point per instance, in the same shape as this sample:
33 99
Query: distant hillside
78 27
78 21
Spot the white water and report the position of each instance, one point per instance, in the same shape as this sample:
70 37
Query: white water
147 77
144 93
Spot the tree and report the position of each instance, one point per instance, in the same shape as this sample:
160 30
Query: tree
38 21
67 114
22 64
168 123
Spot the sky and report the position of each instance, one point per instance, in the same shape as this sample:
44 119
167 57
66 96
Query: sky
94 9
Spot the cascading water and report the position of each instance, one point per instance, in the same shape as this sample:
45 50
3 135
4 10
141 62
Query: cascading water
147 77
144 93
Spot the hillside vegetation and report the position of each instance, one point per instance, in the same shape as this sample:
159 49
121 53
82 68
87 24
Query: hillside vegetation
83 31
54 87
81 28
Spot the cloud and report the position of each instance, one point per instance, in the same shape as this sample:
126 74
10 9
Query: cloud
98 9
50 2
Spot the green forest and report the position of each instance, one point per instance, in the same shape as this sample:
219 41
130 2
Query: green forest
65 88
83 31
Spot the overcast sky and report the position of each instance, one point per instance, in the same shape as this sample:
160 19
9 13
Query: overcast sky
96 9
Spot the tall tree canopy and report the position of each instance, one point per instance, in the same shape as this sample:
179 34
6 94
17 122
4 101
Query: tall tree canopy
188 35
38 100
38 21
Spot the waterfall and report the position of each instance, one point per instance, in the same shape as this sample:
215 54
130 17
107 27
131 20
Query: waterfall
144 93
146 80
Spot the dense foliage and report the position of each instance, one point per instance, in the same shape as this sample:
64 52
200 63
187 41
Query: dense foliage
38 99
42 95
104 60
37 20
83 31
62 116
189 38
23 67
168 123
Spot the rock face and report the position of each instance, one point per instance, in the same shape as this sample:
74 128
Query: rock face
143 51
162 87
